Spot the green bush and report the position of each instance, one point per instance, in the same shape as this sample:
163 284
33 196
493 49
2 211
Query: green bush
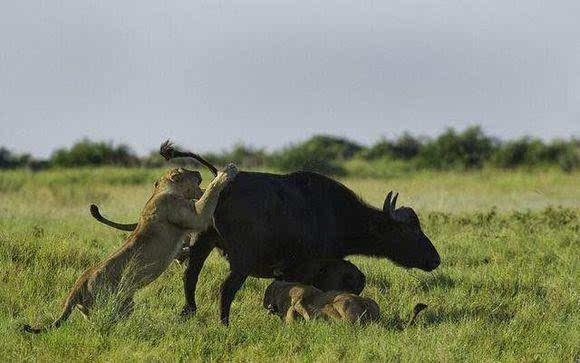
241 154
336 148
380 149
154 160
300 158
467 150
570 160
405 147
320 153
531 152
8 160
86 152
525 151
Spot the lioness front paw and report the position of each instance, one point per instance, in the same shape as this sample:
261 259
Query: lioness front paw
231 170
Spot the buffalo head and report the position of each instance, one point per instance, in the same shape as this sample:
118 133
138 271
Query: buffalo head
409 246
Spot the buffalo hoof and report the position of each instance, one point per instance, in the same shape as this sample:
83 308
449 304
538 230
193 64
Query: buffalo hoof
187 312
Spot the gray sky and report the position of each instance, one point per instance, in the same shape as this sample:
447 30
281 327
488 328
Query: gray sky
210 73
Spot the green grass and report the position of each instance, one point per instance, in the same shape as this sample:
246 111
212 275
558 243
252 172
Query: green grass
507 289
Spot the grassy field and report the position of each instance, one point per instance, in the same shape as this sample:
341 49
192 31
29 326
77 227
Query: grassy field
508 287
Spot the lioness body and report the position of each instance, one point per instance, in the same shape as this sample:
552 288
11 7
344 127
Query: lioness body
165 220
290 300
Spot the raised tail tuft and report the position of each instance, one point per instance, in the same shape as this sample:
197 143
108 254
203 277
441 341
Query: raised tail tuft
166 150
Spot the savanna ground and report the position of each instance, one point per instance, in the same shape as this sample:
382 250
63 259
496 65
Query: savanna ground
508 287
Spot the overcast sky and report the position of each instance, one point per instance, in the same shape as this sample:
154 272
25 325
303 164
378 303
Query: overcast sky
210 73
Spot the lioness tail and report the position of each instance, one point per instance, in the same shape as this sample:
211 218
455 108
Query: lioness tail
73 299
168 152
99 217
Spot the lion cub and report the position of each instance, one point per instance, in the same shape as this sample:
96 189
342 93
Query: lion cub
326 275
289 300
166 218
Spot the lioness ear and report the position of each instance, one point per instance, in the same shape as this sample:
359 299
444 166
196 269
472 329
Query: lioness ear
176 178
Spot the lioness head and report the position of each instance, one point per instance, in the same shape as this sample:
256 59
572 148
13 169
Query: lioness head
183 181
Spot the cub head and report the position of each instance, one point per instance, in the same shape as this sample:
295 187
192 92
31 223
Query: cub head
183 181
271 294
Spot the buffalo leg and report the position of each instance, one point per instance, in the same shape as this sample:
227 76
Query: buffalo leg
198 252
229 288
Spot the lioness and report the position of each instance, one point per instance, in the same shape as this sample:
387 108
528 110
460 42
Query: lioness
326 275
289 300
166 218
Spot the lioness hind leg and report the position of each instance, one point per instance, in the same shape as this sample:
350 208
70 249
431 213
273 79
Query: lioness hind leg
84 310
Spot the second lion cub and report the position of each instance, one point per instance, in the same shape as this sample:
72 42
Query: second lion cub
290 300
165 220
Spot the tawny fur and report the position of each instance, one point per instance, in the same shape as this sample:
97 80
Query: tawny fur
292 300
165 220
